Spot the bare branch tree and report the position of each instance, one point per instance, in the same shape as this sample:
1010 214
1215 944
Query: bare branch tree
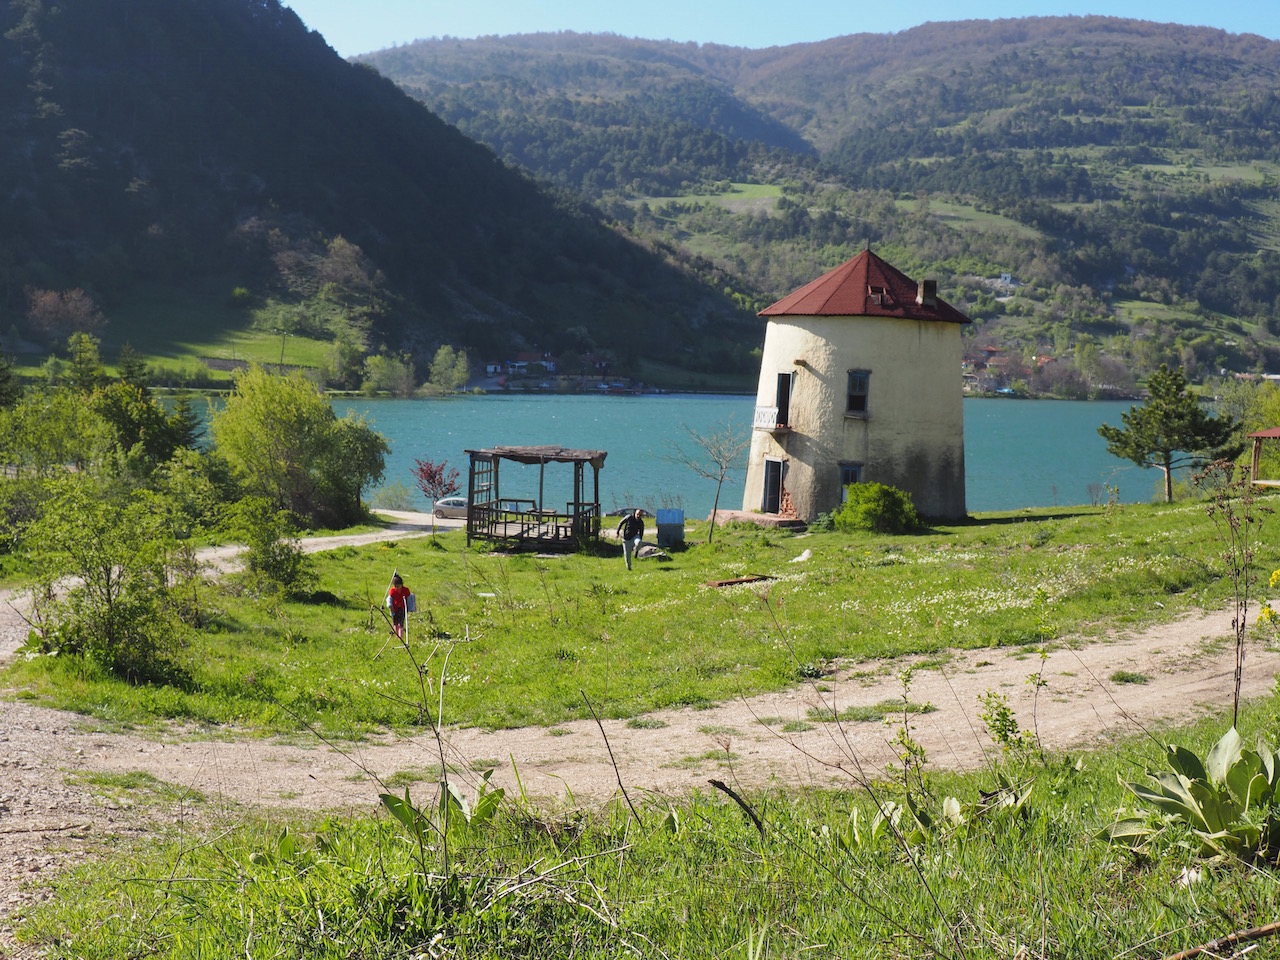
717 454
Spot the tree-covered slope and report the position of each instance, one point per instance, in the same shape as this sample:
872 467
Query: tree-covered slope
597 113
1123 174
162 140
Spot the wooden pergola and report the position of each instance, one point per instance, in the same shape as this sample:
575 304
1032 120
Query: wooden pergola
531 524
1257 438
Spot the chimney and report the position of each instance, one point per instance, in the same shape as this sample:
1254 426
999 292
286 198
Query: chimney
927 296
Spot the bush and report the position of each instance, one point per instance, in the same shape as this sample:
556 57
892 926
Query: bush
273 556
106 556
823 522
878 508
393 496
284 443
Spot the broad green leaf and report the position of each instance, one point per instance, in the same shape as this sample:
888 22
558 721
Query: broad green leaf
1217 808
1270 762
1240 776
1259 792
285 845
1185 762
922 816
1026 794
1171 798
952 811
1221 843
1247 833
1131 832
487 806
1224 753
451 796
402 810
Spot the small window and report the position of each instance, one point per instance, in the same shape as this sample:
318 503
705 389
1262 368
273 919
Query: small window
856 402
849 473
784 399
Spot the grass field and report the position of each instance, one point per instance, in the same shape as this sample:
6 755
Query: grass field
966 217
1137 311
688 877
542 629
178 327
1006 861
740 197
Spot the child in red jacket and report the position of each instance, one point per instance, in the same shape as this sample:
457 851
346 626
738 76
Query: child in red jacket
398 599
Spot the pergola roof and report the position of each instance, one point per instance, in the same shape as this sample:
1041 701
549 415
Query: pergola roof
1272 434
545 454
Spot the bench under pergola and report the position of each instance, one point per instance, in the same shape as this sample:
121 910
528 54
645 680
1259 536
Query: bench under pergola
533 524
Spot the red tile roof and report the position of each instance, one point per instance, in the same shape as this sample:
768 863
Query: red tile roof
866 286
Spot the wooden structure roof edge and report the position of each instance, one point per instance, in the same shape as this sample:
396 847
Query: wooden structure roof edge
543 454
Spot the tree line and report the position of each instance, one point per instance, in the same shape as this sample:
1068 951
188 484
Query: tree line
107 491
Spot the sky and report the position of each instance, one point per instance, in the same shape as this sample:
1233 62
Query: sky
360 26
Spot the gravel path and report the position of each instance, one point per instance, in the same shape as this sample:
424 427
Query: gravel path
49 819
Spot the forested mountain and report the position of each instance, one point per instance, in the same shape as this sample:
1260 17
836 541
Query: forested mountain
597 113
1119 175
170 141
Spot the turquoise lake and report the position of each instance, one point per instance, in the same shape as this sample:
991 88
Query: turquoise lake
1018 453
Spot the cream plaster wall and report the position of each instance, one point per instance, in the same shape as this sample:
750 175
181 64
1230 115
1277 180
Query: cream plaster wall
912 436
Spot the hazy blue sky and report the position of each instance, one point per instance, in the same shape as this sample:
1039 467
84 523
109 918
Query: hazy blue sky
358 26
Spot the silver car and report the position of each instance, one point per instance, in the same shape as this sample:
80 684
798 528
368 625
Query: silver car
451 508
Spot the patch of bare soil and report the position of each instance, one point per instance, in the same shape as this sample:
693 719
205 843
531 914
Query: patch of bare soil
50 819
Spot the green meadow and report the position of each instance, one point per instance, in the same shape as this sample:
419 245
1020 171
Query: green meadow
533 631
1007 861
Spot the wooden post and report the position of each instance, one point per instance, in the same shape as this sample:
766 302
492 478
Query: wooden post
595 532
471 498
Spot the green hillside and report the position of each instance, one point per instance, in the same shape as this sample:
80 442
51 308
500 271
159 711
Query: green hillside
216 158
1044 169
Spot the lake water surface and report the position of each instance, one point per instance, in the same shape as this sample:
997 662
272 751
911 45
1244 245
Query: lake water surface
1018 453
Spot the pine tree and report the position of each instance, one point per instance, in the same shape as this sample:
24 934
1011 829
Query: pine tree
1171 430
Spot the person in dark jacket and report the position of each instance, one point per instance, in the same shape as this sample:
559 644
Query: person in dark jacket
631 530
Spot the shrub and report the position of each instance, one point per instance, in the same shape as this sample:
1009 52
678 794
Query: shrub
106 555
393 496
823 522
273 556
878 508
283 440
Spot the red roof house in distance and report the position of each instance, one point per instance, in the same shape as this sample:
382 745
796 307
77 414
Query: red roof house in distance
860 381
